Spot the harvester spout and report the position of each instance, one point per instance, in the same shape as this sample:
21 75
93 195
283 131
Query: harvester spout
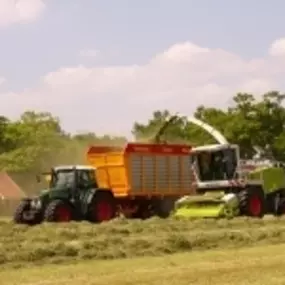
209 129
206 127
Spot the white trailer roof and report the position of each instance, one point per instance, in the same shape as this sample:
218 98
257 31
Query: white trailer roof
79 167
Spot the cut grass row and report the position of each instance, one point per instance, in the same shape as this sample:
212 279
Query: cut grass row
247 266
55 243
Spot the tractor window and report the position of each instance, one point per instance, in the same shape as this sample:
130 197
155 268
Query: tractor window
64 178
205 166
230 162
86 179
218 165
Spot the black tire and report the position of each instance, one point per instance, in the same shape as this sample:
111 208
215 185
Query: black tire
59 211
144 212
102 207
164 207
19 217
252 202
280 211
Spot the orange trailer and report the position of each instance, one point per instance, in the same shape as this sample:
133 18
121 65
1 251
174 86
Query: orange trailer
144 179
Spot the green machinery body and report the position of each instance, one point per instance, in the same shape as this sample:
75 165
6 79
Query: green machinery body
80 201
225 202
73 194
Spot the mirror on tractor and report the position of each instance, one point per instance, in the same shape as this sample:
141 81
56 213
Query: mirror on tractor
38 178
47 177
215 163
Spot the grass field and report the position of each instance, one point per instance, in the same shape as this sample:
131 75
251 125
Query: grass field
254 266
173 251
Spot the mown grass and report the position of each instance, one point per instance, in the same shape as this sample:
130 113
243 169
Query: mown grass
247 266
55 243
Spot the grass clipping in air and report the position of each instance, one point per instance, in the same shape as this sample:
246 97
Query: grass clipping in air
55 243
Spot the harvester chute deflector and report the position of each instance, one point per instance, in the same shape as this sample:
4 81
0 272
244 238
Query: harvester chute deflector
209 129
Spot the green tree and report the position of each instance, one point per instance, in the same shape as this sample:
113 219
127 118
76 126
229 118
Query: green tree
33 140
249 122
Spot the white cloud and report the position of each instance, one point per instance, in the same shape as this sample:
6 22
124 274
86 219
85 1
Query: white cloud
2 80
89 52
111 98
17 11
277 48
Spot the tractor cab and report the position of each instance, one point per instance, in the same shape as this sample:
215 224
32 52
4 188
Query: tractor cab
70 177
73 177
215 165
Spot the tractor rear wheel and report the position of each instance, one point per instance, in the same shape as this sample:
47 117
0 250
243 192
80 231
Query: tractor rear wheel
102 207
58 211
252 202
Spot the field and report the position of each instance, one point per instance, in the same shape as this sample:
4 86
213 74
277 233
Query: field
254 266
239 251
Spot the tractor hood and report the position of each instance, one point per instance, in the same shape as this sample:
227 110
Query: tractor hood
55 193
44 192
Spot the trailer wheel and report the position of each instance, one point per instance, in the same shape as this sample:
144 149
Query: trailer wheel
19 215
102 207
252 202
164 207
144 211
58 211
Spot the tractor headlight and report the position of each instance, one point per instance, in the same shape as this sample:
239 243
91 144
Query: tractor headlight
36 204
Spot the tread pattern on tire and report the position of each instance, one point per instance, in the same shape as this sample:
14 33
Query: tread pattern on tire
19 212
97 197
244 197
50 212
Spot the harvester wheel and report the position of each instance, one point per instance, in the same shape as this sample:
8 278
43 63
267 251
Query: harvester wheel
252 202
102 207
58 211
21 210
280 207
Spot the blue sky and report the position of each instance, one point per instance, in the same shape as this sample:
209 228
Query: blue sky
154 52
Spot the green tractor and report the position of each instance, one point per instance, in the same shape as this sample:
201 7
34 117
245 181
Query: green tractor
73 194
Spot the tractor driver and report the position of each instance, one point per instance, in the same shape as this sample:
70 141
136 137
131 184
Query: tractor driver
206 169
83 180
219 167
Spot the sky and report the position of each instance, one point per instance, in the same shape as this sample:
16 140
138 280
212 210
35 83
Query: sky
100 65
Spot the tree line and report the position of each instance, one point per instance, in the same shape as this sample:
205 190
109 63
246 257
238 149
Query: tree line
37 141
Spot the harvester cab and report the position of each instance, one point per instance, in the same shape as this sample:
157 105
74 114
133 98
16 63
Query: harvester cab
215 165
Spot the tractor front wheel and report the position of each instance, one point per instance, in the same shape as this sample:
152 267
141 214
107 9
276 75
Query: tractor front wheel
58 211
102 207
23 214
252 202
